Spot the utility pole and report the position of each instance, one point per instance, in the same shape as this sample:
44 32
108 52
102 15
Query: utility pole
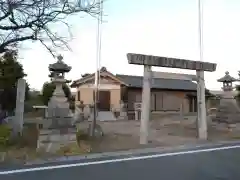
201 117
97 73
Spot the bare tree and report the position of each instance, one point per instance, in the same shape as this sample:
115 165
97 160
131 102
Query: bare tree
22 20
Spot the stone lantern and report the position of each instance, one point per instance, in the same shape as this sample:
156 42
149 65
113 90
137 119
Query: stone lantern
59 68
227 81
228 111
58 106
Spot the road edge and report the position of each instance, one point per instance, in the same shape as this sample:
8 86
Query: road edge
134 152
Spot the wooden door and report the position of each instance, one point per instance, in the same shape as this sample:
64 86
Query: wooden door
104 100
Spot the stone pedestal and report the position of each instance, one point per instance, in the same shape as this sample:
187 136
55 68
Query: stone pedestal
52 140
228 111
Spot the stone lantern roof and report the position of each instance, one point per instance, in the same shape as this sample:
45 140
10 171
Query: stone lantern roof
59 66
227 78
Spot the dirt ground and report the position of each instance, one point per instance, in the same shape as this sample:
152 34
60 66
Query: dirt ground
124 135
168 131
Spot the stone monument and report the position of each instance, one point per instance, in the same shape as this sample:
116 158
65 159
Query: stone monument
58 106
19 111
228 111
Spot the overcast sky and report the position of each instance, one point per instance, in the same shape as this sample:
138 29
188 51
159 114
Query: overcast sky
156 27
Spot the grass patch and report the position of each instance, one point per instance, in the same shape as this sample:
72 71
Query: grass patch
235 136
74 149
21 154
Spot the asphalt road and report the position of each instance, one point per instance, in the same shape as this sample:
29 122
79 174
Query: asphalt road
213 165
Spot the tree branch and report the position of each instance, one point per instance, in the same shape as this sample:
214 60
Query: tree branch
22 20
5 44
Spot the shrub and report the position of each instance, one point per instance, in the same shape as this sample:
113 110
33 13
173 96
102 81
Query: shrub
5 132
82 135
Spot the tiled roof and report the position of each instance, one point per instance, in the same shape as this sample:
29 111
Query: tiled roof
159 83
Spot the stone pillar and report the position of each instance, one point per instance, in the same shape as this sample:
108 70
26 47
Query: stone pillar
18 119
201 105
146 98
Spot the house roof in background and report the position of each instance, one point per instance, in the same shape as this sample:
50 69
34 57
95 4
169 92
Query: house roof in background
103 72
171 81
159 83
